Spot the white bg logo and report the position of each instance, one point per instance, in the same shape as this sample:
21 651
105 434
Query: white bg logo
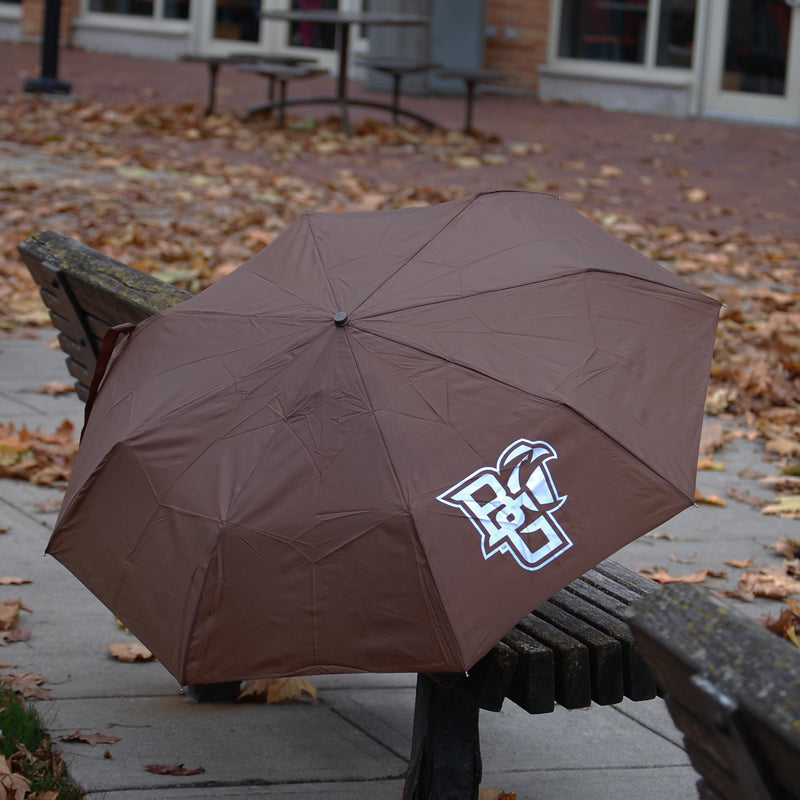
511 505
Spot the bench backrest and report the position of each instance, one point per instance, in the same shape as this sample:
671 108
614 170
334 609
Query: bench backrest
87 292
732 688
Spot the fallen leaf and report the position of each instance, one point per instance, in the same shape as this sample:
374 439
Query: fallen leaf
89 738
788 548
739 563
661 575
772 583
12 785
53 388
679 560
709 463
712 437
745 497
14 635
28 684
695 195
9 580
709 500
172 769
788 507
9 613
278 690
130 652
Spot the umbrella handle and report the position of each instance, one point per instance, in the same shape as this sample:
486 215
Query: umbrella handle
106 349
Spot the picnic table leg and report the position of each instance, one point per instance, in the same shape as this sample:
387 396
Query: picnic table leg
445 748
213 71
341 78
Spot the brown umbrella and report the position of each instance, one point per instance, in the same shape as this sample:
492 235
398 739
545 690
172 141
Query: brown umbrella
384 439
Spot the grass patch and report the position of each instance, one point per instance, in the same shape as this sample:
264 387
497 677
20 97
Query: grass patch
29 752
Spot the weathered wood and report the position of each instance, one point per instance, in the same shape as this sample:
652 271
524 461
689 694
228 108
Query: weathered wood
607 613
487 683
533 682
739 684
86 292
605 653
573 686
445 750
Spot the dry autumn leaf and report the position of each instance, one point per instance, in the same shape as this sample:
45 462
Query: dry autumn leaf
738 563
278 690
129 652
9 613
14 635
788 507
173 769
53 388
13 786
89 738
661 575
28 684
35 456
771 583
10 580
709 500
493 794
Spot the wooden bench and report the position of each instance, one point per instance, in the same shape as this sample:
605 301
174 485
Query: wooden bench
573 650
732 688
471 79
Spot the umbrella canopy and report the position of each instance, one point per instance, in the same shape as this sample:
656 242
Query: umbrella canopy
384 439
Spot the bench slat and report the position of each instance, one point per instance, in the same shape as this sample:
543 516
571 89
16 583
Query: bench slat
573 683
639 684
605 653
534 678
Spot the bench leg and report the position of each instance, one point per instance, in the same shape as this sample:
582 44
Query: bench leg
469 101
445 749
213 71
395 97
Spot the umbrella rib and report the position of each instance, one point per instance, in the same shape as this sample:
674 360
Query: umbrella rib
410 258
453 643
511 386
554 278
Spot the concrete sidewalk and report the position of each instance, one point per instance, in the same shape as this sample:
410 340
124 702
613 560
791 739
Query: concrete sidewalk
355 741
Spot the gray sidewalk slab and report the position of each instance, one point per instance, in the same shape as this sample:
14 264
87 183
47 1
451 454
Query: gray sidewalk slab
356 740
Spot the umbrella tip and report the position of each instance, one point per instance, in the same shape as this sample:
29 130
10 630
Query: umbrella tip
340 318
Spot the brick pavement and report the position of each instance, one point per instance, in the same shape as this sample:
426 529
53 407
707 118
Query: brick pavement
751 172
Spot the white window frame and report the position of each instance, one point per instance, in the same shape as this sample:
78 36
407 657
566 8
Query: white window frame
136 22
646 72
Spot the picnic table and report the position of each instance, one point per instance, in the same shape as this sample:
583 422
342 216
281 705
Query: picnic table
344 21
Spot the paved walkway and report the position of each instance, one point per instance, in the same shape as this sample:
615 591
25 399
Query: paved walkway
355 741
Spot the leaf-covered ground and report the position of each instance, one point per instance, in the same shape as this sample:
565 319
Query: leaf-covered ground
189 198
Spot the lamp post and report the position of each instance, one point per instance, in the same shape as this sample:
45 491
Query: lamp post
48 81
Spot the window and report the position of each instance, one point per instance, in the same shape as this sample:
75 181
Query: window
676 33
617 31
160 9
312 34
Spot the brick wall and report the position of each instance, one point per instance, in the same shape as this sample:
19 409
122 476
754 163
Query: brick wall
516 41
32 23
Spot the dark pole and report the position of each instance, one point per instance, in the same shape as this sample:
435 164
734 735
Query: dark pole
48 81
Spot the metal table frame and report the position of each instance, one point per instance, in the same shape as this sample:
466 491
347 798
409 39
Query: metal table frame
344 20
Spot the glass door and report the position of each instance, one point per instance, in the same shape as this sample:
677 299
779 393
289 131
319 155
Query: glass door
753 61
230 26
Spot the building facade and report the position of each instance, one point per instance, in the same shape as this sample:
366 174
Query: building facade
727 58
